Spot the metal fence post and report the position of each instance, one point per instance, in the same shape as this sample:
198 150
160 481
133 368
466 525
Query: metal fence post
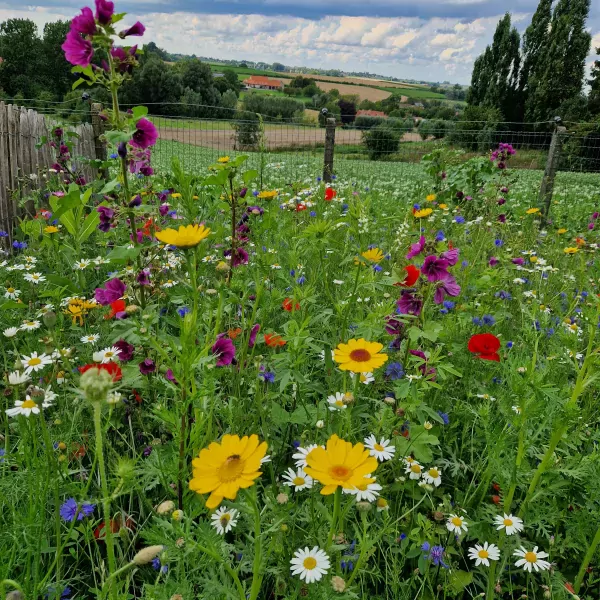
98 128
547 186
329 150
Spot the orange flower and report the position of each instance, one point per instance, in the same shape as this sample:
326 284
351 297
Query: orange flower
580 241
273 340
288 304
233 333
118 306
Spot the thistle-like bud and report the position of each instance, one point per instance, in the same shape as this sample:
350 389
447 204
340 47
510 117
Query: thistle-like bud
95 384
49 319
165 507
338 584
364 506
147 555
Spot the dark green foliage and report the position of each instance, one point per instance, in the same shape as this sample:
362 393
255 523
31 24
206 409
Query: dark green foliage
436 129
476 129
274 107
347 111
247 129
364 122
381 141
594 83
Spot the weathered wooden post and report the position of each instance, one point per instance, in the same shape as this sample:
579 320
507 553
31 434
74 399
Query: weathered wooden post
98 128
329 150
547 186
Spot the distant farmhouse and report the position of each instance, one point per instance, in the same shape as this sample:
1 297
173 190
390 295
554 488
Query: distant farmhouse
371 113
258 82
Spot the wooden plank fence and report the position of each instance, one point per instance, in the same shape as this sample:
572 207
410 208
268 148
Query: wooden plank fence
22 165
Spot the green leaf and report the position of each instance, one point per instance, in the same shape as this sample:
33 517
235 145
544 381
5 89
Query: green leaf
432 330
110 186
116 137
89 225
79 82
124 253
32 227
219 178
61 205
64 283
414 333
139 112
11 304
459 580
42 141
249 176
279 415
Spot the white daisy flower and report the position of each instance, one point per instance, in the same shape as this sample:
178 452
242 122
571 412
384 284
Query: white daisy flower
169 284
82 264
107 355
310 565
301 453
10 332
44 310
17 378
483 554
275 267
338 282
224 519
100 261
90 339
298 479
382 450
433 475
12 293
382 504
531 559
26 407
35 363
31 260
336 401
365 492
30 325
34 278
265 459
113 398
509 523
456 524
414 470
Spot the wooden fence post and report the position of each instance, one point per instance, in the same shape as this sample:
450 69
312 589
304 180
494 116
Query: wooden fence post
547 186
98 128
329 150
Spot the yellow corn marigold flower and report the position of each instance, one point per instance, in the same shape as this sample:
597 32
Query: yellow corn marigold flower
533 259
571 250
223 469
186 237
223 159
359 356
374 255
561 231
268 195
532 211
51 229
175 195
421 214
430 197
443 206
340 464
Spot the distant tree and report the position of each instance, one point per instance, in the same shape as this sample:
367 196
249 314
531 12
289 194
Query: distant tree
243 65
55 70
594 83
229 82
278 67
381 141
21 49
347 111
152 48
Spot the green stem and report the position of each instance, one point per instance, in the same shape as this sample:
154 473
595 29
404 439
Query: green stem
586 561
363 550
227 567
256 568
337 502
491 584
110 551
351 301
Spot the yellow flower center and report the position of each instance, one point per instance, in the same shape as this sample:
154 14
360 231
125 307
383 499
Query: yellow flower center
409 459
109 354
360 355
507 522
310 563
34 362
232 468
340 472
298 481
362 486
382 502
378 447
530 557
483 554
29 323
28 404
224 520
10 290
434 473
415 468
339 403
456 521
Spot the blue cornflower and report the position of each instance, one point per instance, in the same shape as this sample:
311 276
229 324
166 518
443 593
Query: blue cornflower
377 268
184 310
267 377
448 304
444 416
402 536
488 320
292 272
255 193
503 295
417 206
498 243
509 345
301 280
312 213
3 234
69 508
156 565
344 207
296 444
477 321
395 371
436 556
439 236
464 264
318 180
19 245
443 311
114 155
536 324
459 219
549 331
333 177
2 453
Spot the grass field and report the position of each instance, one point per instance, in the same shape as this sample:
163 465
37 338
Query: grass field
414 93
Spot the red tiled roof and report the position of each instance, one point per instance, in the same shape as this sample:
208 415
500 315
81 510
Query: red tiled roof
261 80
371 113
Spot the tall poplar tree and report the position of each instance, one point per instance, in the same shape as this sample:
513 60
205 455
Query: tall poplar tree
594 83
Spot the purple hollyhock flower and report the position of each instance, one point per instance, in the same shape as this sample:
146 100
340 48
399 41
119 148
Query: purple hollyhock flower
448 288
113 290
501 201
518 261
77 50
143 277
502 218
255 210
171 377
147 366
393 326
84 23
104 11
126 350
253 333
122 150
493 261
163 210
145 135
224 350
239 258
68 510
135 202
409 304
136 29
417 248
595 216
435 269
451 256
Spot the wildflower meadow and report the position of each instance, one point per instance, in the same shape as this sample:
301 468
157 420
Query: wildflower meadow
234 384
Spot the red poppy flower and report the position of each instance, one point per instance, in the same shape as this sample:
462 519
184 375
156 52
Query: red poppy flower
118 306
147 225
273 340
112 368
569 587
115 526
288 304
496 499
77 450
412 274
137 397
485 346
330 194
233 333
300 207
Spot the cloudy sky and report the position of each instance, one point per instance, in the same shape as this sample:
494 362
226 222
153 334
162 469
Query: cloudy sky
432 40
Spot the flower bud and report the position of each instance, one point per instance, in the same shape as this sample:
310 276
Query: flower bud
282 498
49 319
147 555
131 308
363 506
222 266
95 384
177 515
165 507
320 424
338 584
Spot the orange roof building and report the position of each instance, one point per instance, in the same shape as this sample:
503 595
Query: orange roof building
263 83
371 113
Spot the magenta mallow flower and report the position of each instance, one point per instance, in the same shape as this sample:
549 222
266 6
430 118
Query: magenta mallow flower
493 261
143 277
136 29
145 134
417 248
436 269
253 333
393 326
447 288
409 304
104 11
164 209
147 366
224 350
240 256
113 290
126 350
84 23
518 261
451 256
77 50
